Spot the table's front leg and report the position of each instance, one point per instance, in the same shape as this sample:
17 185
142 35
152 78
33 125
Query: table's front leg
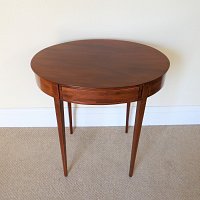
61 131
137 129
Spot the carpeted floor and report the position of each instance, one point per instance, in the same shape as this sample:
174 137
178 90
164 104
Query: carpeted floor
167 164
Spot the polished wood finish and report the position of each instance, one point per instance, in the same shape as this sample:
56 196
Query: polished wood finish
100 64
47 86
100 72
127 116
61 131
99 96
70 117
154 86
136 134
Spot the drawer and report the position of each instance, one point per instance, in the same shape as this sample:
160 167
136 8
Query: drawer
99 96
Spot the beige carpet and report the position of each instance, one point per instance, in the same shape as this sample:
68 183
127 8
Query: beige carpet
167 165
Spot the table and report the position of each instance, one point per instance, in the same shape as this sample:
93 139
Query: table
100 72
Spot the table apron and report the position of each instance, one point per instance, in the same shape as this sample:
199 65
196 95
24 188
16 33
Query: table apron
99 96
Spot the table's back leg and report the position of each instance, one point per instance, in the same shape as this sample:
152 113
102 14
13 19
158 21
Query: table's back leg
136 134
127 116
70 117
61 131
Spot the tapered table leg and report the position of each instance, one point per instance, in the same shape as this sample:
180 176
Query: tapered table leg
127 116
70 117
61 131
137 129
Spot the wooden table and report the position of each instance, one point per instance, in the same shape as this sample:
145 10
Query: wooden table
100 72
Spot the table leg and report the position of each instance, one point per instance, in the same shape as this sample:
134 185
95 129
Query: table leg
70 117
137 129
127 115
61 131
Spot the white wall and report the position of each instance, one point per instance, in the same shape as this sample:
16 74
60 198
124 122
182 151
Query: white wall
27 26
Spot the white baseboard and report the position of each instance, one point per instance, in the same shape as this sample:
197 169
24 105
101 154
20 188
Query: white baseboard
99 116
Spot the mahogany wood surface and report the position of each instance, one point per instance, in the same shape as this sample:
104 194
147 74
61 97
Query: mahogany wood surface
61 131
100 72
100 64
127 116
70 117
99 96
136 134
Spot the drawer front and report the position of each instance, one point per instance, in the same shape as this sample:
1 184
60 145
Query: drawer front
99 96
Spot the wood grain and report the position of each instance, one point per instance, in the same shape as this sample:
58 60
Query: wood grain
61 131
70 117
100 72
136 134
47 86
100 64
99 96
127 116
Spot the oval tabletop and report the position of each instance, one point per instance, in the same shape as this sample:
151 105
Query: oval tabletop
100 64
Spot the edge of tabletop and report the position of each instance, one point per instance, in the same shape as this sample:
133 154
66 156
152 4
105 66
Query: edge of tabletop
101 88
